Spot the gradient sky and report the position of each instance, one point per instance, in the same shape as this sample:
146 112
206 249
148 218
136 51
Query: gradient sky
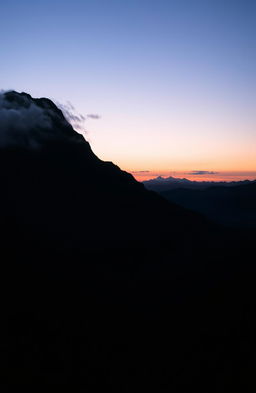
173 80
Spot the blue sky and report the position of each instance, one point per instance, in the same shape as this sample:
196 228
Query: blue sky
174 81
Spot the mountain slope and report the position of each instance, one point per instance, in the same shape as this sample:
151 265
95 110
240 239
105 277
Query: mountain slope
105 286
54 184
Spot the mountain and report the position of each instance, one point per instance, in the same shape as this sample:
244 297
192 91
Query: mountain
161 184
48 174
106 286
232 206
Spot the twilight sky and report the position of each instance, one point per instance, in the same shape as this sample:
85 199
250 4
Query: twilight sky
174 81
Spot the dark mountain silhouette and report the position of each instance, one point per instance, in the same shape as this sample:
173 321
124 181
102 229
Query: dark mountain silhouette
161 184
48 177
108 287
233 206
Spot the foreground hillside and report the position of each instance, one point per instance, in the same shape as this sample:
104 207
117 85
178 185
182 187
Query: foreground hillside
108 287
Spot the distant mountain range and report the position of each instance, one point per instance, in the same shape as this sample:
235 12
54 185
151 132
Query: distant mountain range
170 183
228 203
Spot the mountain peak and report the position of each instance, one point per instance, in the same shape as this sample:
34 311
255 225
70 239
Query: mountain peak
30 122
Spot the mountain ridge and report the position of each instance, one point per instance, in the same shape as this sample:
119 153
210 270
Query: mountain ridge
164 184
62 161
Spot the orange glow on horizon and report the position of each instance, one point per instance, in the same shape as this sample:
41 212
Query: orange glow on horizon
218 176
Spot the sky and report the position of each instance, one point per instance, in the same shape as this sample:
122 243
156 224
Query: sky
173 82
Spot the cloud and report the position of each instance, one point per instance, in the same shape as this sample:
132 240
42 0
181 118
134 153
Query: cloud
202 173
140 171
29 122
76 119
93 116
